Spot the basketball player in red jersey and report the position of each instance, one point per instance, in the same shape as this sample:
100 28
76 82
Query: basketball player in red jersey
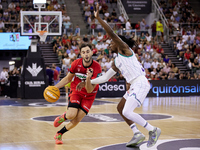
80 102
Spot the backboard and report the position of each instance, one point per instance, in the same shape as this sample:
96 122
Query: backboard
34 21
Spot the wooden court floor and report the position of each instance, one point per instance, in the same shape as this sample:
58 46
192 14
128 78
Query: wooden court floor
28 124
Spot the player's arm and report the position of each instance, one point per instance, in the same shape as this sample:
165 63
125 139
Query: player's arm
104 78
88 86
65 80
117 40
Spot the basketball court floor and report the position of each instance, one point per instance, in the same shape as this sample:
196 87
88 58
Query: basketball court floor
28 125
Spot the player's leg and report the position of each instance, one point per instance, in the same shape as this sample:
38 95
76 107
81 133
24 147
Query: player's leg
138 137
73 106
120 107
80 115
137 94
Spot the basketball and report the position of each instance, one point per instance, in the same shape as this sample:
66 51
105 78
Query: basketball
51 94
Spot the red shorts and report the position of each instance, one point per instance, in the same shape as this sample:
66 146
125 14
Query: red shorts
82 101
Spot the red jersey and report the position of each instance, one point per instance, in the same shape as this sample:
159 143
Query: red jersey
79 70
187 56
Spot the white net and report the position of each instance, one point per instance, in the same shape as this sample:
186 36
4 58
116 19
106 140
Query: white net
42 35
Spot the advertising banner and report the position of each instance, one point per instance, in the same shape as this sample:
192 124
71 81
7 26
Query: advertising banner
13 41
111 89
164 88
33 78
137 6
174 88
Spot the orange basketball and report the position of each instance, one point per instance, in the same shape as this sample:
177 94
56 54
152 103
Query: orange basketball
51 94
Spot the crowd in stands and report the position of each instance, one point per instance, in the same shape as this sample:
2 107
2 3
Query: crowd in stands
147 45
148 48
150 54
10 15
180 15
184 23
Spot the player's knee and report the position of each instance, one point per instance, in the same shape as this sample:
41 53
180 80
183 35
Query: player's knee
126 113
70 116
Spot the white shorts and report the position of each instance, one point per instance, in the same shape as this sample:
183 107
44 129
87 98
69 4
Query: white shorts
139 89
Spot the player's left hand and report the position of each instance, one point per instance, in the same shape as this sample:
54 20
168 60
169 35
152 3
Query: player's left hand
96 13
80 86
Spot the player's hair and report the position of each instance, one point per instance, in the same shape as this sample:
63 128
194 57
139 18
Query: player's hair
129 42
85 45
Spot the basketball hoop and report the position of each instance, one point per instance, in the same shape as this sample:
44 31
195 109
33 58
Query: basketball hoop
42 35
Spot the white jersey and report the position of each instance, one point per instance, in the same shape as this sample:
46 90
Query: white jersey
129 66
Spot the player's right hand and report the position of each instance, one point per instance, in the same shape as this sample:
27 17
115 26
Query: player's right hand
80 86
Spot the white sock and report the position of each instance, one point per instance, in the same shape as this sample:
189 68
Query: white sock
148 127
134 128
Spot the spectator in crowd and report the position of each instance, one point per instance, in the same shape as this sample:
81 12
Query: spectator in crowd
55 75
58 69
68 27
155 63
77 30
174 69
66 63
121 18
159 30
14 72
1 26
166 59
99 37
50 74
166 69
148 47
153 30
197 49
3 79
195 65
159 49
72 54
148 37
142 25
128 25
85 38
171 76
99 47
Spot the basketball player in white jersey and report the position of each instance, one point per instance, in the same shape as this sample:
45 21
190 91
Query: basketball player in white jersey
127 63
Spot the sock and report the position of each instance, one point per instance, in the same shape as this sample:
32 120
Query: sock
63 130
148 127
134 128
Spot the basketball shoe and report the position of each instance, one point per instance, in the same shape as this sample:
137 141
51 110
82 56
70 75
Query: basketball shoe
153 137
59 120
58 138
138 137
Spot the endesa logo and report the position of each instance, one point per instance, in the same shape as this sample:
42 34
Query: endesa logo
175 89
109 87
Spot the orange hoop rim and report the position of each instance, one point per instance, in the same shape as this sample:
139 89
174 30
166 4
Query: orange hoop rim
41 32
